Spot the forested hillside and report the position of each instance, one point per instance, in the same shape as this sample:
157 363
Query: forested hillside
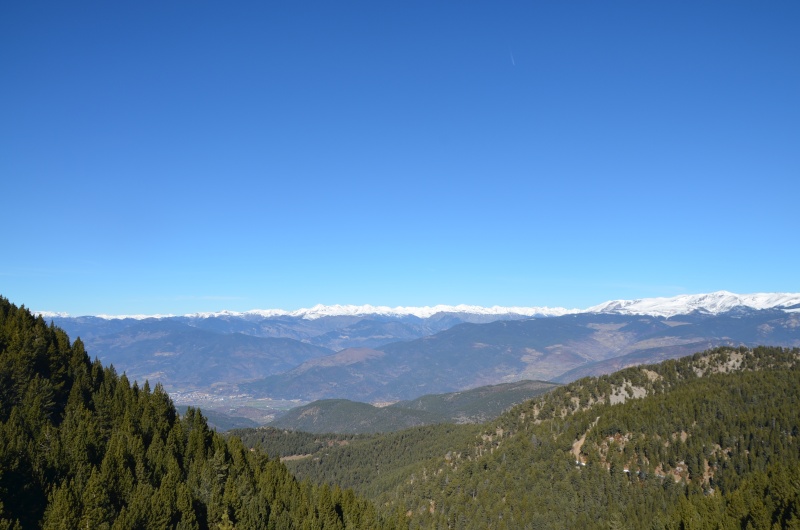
704 449
345 416
708 441
371 464
80 446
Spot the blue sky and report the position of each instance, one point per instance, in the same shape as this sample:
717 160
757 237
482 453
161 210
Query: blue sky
172 157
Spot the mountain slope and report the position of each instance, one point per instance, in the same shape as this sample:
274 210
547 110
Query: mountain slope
714 442
351 417
80 447
690 333
477 405
557 348
181 356
709 439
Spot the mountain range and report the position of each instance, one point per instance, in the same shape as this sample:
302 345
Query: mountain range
716 302
370 353
709 440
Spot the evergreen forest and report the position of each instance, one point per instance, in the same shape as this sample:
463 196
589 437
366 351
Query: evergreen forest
83 447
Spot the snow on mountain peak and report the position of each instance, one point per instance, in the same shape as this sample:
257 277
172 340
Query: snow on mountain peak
320 311
50 314
712 303
133 317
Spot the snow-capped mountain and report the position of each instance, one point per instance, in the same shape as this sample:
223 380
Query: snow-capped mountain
320 311
711 303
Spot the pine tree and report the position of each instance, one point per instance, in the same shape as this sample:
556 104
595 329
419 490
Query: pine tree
97 510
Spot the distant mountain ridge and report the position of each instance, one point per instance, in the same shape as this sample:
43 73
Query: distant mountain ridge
320 311
714 303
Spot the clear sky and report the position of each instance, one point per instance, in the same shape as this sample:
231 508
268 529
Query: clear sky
173 157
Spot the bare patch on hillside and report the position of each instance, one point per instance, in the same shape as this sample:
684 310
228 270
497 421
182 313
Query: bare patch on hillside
663 342
627 391
310 411
342 358
294 457
613 341
651 375
606 327
576 447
